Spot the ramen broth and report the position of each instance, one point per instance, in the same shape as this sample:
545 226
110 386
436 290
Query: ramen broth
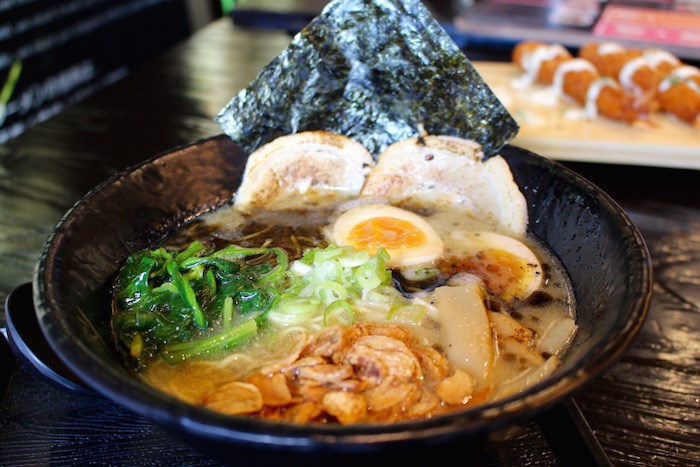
521 356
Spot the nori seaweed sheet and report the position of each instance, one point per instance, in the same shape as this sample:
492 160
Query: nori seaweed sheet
377 71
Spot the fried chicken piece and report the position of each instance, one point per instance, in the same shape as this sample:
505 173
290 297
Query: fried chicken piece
642 80
679 94
578 80
638 71
539 61
662 61
608 57
610 100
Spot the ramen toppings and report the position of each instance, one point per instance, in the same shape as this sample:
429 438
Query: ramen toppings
365 311
361 373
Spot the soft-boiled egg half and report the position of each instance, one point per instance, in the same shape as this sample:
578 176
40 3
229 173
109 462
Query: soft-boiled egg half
407 237
507 266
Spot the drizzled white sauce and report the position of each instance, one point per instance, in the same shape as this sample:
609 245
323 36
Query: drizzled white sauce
681 74
593 93
521 82
532 62
686 72
627 74
576 64
656 57
607 48
546 97
575 115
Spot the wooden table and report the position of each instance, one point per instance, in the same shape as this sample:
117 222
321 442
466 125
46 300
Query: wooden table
645 410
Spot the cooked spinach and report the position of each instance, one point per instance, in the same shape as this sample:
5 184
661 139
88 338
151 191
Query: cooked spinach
180 304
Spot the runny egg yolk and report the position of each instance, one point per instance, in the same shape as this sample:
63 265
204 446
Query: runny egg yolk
389 232
506 265
507 274
407 237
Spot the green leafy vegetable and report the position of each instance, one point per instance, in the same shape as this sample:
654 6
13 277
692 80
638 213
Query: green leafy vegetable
225 340
185 304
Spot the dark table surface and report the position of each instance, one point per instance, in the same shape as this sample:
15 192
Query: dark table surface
645 410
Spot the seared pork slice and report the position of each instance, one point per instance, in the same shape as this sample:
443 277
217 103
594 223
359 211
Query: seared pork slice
376 358
304 170
432 172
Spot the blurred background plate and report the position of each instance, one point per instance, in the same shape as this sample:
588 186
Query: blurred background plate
556 130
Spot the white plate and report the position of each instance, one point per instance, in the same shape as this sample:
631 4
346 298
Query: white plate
557 130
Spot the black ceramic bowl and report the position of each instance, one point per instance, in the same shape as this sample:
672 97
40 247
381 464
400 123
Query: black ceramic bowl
600 247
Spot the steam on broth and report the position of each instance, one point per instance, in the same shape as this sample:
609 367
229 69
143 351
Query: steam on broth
361 310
